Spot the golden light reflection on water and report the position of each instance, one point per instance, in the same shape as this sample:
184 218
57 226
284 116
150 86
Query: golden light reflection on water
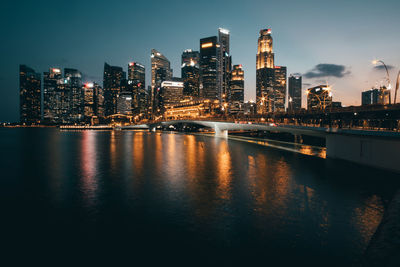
224 175
368 216
89 167
113 150
138 153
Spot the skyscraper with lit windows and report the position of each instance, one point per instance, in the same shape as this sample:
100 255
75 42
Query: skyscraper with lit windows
29 95
295 86
190 72
137 86
73 85
225 64
271 79
160 71
209 68
236 86
55 97
113 83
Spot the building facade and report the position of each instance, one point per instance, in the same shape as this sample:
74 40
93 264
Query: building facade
124 103
236 86
295 85
29 95
270 79
375 96
55 97
73 84
171 92
137 86
113 83
225 64
209 66
319 98
160 71
190 72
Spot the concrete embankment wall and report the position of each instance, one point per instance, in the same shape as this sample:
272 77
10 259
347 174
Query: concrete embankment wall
377 152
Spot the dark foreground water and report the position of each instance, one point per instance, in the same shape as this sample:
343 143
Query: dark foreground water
149 199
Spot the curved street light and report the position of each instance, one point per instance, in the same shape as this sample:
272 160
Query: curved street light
397 87
375 62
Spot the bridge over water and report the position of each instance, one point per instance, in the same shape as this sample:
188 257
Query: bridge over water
374 148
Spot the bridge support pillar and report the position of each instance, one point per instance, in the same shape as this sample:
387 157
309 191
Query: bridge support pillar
220 133
373 151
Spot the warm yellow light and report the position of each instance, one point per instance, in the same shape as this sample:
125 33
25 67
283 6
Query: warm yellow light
206 45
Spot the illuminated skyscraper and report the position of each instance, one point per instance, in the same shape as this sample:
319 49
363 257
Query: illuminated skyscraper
236 86
89 100
294 93
191 72
225 64
113 83
55 97
209 66
73 84
136 84
271 79
30 95
160 71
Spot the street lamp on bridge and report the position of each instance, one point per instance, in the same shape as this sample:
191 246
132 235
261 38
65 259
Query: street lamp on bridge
375 62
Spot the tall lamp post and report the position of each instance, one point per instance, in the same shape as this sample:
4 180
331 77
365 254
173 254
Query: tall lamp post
397 87
375 62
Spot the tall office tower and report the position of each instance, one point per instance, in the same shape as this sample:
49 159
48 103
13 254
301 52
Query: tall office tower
375 96
271 79
73 84
190 72
225 64
55 97
236 86
171 92
89 100
99 100
319 98
113 83
294 92
160 71
136 84
29 95
209 65
279 89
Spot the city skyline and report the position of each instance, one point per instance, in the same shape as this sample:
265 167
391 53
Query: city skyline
349 70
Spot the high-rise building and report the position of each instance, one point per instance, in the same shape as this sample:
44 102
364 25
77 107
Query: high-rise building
99 100
236 86
375 96
171 92
319 98
73 84
294 92
113 83
271 79
89 100
55 97
209 66
160 71
225 64
190 72
124 103
29 95
137 86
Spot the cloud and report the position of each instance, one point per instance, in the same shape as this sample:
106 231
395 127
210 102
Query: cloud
327 70
306 84
381 67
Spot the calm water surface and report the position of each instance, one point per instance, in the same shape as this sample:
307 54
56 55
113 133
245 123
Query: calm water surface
182 199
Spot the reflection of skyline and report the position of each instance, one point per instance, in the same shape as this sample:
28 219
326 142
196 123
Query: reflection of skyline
89 179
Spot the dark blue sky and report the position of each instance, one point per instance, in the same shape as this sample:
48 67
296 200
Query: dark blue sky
345 35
